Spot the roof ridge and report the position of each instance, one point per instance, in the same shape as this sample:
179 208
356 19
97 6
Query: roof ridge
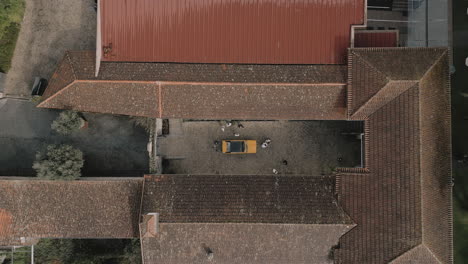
421 245
430 251
361 113
371 65
434 64
67 55
41 104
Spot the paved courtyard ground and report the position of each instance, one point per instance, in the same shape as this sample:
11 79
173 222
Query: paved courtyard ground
309 147
112 146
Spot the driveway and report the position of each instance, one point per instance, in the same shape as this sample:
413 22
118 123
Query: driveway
111 145
309 147
49 28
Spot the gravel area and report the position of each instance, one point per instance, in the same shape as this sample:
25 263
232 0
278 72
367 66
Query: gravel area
309 147
49 28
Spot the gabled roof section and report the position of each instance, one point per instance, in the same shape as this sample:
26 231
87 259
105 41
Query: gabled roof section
242 219
113 97
400 63
370 69
243 199
31 208
224 243
389 92
253 101
416 255
435 123
402 206
205 91
364 81
62 77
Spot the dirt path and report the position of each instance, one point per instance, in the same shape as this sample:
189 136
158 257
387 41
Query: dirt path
49 28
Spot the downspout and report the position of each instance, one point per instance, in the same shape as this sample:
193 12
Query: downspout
98 38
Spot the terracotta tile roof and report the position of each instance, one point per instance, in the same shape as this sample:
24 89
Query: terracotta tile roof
208 91
5 224
62 209
242 199
187 243
402 205
375 38
236 31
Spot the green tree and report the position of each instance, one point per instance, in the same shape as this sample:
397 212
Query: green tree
11 15
68 122
59 162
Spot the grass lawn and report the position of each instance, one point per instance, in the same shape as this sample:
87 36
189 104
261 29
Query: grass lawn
11 15
460 233
459 129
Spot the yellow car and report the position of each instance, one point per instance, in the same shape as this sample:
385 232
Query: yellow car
239 146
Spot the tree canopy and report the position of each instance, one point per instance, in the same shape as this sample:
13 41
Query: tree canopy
59 162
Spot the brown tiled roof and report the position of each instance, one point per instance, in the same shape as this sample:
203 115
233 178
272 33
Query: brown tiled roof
63 209
418 254
250 101
83 65
187 243
243 199
402 205
113 97
436 160
208 91
385 95
364 82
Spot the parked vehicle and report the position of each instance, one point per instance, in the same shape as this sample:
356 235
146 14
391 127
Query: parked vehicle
239 146
39 86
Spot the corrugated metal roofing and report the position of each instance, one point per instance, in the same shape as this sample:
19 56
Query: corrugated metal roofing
229 31
375 38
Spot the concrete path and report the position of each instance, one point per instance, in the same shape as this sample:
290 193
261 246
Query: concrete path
49 28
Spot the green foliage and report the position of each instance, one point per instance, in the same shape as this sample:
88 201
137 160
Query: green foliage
11 15
460 234
146 123
36 99
84 251
132 253
59 162
68 122
54 251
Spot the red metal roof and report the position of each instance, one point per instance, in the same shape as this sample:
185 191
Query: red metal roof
229 31
375 38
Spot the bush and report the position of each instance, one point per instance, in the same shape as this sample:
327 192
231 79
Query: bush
147 123
68 122
59 162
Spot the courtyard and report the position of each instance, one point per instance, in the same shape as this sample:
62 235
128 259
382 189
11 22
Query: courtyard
111 145
297 147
